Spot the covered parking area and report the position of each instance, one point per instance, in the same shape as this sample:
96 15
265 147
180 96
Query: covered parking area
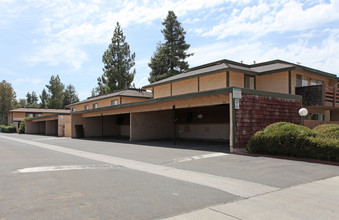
53 125
100 125
202 116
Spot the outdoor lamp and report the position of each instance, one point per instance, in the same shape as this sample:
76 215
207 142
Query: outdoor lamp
303 112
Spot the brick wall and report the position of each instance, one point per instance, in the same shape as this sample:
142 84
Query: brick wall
256 112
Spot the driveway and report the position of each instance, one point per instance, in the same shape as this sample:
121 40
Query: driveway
44 176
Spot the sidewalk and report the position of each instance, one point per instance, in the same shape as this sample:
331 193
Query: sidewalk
316 200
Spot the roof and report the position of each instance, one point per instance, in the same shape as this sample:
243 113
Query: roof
258 69
136 93
41 110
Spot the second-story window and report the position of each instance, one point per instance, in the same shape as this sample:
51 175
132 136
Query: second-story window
95 106
301 80
249 82
86 107
73 109
316 82
114 102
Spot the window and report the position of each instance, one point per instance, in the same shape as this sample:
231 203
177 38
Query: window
37 115
302 80
86 107
29 115
73 109
95 106
318 117
315 82
249 82
114 102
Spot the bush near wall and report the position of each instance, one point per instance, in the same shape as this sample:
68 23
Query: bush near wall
22 126
287 139
8 129
327 131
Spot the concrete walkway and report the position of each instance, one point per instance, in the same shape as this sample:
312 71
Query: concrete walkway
316 200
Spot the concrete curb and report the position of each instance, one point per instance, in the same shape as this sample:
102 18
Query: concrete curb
289 158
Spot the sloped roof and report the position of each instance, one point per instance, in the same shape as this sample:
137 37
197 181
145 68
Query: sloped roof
258 69
136 93
41 110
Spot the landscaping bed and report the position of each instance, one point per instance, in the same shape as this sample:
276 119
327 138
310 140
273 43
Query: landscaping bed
287 139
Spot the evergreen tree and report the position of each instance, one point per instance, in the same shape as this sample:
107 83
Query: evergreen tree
158 64
44 99
70 95
31 100
7 99
118 62
56 93
172 53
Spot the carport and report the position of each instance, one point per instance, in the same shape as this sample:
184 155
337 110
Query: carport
54 125
198 123
101 126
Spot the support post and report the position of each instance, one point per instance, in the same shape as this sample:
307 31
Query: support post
174 126
102 126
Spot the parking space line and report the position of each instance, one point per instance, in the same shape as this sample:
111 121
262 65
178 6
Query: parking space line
197 157
64 168
237 187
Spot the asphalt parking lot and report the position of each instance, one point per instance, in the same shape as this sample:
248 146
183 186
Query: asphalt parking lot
43 177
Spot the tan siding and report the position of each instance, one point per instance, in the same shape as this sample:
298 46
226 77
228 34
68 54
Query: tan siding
213 81
277 82
131 99
106 102
185 86
162 91
182 103
236 79
18 116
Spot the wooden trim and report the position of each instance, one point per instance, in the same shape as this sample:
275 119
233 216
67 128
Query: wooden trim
227 78
120 100
198 84
171 89
290 81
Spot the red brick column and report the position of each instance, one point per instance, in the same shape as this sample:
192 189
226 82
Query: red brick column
256 112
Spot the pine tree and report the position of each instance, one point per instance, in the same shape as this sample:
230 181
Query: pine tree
172 53
70 95
44 99
31 100
56 91
118 62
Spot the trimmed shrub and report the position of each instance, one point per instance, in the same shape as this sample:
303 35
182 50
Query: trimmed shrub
8 129
22 126
327 131
287 139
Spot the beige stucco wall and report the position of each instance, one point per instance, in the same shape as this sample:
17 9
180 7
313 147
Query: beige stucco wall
185 86
151 125
277 82
204 131
162 91
236 79
64 126
213 81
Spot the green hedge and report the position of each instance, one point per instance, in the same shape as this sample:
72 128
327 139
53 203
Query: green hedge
22 126
8 129
327 131
287 139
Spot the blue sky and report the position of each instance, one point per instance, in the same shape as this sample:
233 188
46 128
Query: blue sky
40 38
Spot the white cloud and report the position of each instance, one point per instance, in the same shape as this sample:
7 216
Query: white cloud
263 18
323 56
